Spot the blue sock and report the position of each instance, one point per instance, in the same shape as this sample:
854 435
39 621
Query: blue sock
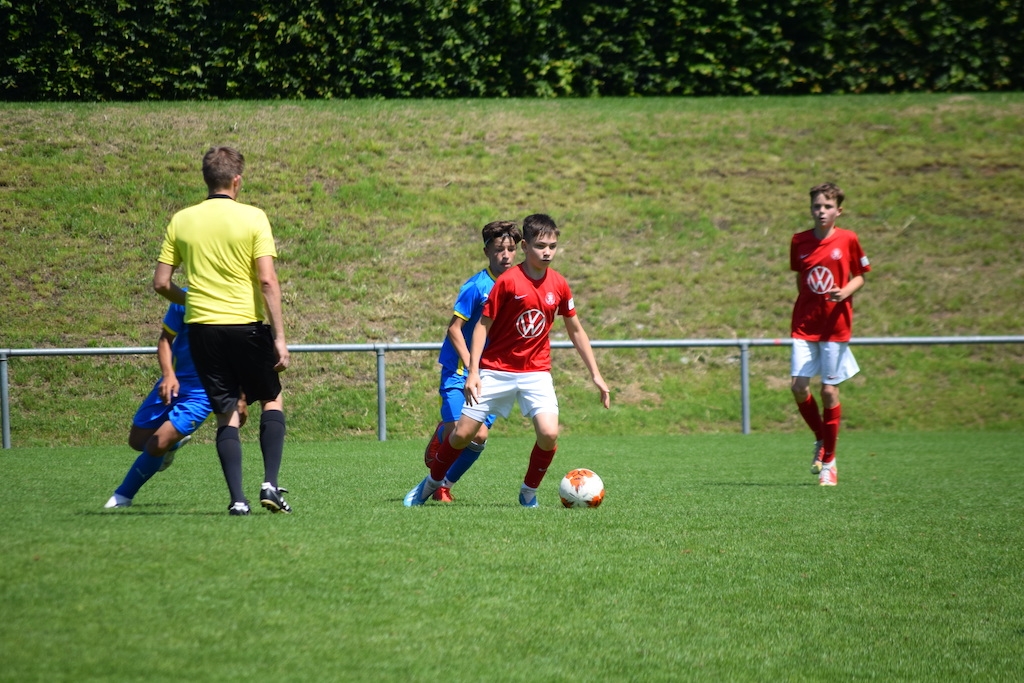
465 460
144 467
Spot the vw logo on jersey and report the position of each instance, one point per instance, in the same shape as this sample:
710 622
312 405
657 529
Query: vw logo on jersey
820 280
531 324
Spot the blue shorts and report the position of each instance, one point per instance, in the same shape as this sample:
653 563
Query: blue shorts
186 412
453 398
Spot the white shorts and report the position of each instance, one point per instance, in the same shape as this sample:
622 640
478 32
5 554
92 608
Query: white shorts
499 390
834 361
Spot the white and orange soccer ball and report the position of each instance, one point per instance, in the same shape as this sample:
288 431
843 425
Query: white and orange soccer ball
581 489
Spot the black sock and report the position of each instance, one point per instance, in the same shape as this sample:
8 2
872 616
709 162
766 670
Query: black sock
272 431
229 450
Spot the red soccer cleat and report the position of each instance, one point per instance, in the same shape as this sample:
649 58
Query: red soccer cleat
444 495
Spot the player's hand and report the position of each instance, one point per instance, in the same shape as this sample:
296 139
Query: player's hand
606 393
169 390
283 356
835 295
472 388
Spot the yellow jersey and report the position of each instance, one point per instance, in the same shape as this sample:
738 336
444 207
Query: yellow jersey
217 242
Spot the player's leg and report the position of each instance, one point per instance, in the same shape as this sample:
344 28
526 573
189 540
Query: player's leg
838 365
537 400
805 363
441 431
452 397
461 436
450 400
466 459
150 414
496 396
146 464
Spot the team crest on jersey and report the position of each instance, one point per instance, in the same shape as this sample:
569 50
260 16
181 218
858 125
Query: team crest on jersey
531 324
820 280
837 255
549 299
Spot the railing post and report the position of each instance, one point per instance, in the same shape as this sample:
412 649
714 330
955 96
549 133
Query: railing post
382 410
745 384
5 407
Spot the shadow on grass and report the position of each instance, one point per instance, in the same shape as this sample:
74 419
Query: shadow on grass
142 511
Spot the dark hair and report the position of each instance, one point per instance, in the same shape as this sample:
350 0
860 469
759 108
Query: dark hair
830 190
220 166
538 224
500 229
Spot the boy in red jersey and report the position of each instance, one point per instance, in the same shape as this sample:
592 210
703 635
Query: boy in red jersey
830 267
510 360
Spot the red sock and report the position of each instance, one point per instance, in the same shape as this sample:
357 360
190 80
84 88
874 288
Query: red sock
540 460
809 411
446 455
832 416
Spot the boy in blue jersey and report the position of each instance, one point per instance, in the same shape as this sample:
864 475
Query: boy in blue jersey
501 239
171 412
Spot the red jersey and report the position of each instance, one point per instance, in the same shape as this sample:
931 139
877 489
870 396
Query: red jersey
824 265
522 312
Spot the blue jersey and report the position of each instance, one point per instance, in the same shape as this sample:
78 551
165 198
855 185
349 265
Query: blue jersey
468 306
174 322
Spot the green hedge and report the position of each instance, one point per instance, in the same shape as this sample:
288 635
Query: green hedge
195 49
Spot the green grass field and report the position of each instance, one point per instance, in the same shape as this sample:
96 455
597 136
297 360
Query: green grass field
714 557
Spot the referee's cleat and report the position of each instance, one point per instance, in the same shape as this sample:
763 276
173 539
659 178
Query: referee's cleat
238 509
271 498
819 453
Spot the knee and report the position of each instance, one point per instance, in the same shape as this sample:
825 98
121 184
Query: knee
154 447
463 434
801 390
547 439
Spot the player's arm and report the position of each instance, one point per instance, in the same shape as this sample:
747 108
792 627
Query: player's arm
271 289
165 357
480 332
163 284
579 338
838 294
458 339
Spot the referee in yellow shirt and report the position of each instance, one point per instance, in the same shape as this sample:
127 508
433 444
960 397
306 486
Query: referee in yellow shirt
233 313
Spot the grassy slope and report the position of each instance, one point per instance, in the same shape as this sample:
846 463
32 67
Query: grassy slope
676 218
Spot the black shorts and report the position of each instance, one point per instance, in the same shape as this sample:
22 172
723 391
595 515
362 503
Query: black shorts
235 358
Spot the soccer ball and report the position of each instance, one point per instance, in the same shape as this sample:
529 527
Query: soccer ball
581 489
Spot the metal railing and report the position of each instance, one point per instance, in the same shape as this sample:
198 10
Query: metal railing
744 345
